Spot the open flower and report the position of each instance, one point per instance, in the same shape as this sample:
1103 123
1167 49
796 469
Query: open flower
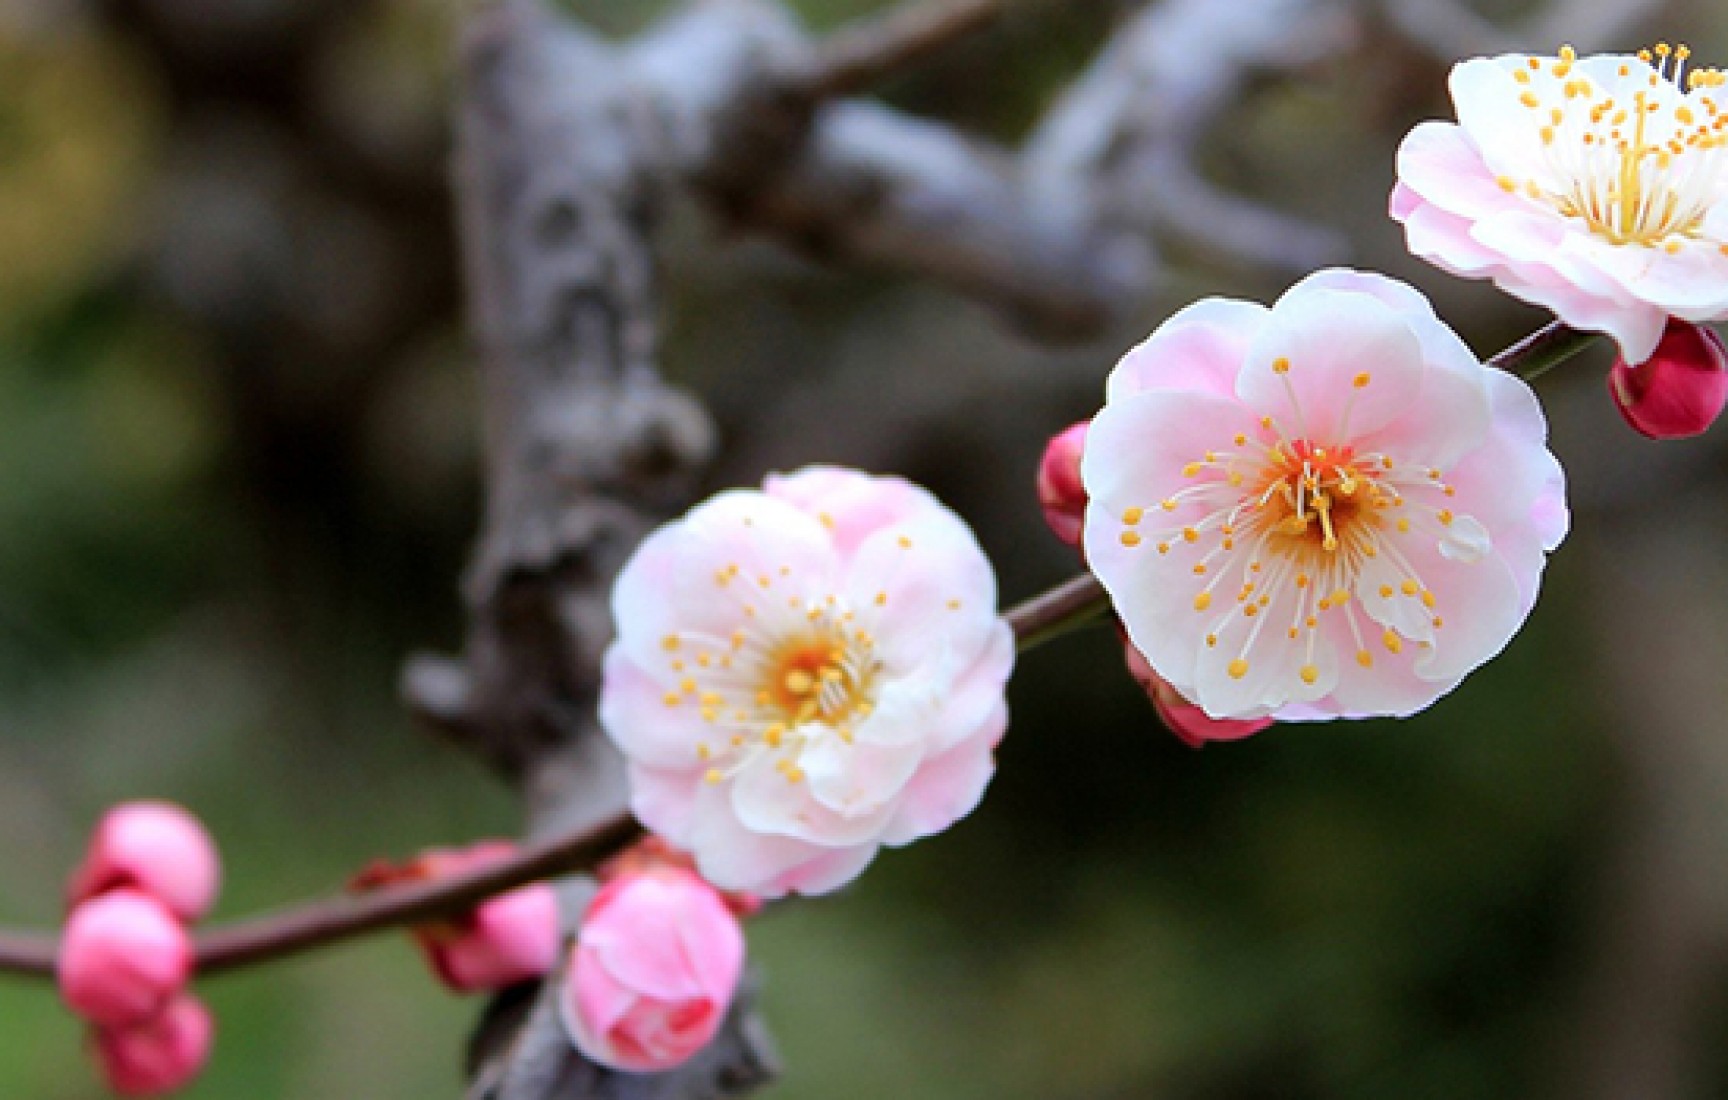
1596 187
1329 508
805 673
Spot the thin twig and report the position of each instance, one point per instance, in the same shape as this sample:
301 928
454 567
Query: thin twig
333 920
1054 613
1543 350
857 57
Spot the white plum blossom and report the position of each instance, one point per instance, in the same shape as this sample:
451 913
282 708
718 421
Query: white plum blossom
805 673
1596 187
1328 508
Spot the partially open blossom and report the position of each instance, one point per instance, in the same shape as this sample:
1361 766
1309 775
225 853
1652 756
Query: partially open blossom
157 848
1059 487
159 1056
122 958
508 938
1596 187
1329 508
653 972
805 673
1679 391
1191 725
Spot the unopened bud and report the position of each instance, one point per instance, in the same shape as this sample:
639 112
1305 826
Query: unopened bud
1192 725
123 957
161 1055
1059 487
509 938
156 848
655 967
1680 390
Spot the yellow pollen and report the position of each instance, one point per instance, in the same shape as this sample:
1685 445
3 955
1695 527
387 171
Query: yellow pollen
1190 535
1280 365
1428 600
881 599
1202 601
1131 538
1393 642
1340 597
714 777
673 698
1364 658
799 682
1410 588
1200 569
905 543
669 643
1211 640
1386 591
954 605
1310 674
1133 516
1238 669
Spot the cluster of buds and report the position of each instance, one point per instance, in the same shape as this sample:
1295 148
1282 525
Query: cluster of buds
651 975
126 955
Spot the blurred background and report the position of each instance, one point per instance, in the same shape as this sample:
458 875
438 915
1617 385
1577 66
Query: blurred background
238 463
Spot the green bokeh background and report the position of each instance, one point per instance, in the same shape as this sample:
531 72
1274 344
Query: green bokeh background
223 526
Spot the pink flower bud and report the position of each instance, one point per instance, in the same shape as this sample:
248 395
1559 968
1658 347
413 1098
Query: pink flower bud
122 958
506 939
160 1055
654 969
1059 488
1680 390
1193 726
154 847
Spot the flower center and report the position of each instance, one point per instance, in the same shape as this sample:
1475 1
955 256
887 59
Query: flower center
1318 500
1642 171
793 674
1286 536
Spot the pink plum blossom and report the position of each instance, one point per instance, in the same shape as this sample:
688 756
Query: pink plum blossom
123 957
508 938
1679 392
804 673
157 848
655 965
1596 187
161 1055
1329 508
1060 492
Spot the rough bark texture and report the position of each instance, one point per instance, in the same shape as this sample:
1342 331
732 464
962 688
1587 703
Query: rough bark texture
586 450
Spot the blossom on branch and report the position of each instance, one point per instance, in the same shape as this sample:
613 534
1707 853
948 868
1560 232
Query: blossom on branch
1329 508
1596 187
656 963
805 673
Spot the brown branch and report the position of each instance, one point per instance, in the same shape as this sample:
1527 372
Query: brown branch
335 920
860 56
